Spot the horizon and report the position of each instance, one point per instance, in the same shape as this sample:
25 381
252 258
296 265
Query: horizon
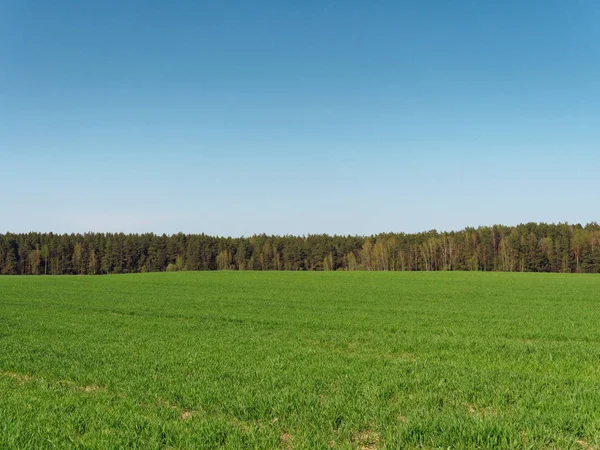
591 224
341 119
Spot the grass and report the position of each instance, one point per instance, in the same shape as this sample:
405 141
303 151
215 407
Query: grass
300 361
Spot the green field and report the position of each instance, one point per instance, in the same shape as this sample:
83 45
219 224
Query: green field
300 360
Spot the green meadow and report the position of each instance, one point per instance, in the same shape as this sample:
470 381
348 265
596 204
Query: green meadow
300 360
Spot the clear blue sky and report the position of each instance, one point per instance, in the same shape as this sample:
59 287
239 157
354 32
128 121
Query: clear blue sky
347 117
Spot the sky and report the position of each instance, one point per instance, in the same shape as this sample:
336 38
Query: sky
344 117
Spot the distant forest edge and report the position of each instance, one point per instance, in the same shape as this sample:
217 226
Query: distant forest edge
528 247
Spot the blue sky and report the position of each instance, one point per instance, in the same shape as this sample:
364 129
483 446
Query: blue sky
353 117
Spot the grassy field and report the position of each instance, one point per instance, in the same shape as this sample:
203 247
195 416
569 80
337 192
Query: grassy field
300 361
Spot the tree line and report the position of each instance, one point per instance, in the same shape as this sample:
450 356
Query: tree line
530 247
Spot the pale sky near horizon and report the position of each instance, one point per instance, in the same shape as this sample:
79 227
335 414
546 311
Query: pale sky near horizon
353 117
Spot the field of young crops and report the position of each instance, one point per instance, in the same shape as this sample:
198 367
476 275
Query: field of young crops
299 360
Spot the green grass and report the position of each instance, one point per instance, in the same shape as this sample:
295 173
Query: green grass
300 360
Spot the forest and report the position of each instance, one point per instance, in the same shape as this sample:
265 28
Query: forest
531 247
